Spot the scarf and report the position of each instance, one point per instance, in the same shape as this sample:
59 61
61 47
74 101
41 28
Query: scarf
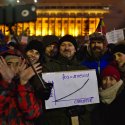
108 95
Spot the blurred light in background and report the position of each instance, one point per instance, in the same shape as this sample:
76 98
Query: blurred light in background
18 1
35 1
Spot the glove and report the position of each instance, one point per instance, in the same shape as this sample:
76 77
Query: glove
41 92
47 90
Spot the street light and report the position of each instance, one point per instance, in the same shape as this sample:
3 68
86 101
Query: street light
35 1
18 1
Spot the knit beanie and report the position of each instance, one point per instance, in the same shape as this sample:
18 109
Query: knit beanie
110 71
119 48
68 38
49 39
97 36
35 44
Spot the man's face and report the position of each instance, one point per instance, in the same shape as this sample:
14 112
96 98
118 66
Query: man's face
120 58
33 55
51 50
97 47
67 49
14 60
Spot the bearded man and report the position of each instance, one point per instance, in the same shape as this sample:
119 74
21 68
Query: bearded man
99 57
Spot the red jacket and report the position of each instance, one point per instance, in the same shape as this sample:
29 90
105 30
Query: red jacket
18 104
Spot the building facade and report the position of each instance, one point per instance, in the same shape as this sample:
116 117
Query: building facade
55 19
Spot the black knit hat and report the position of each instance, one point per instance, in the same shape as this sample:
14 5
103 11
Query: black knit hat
49 39
68 38
35 44
97 36
119 48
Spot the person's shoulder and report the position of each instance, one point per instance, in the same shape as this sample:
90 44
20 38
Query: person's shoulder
50 65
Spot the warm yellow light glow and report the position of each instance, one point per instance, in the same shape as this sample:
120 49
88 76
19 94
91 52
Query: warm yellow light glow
90 32
31 32
50 32
44 32
69 11
38 32
73 31
76 32
6 33
58 26
62 34
75 19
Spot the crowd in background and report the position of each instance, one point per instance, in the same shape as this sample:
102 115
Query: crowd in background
20 85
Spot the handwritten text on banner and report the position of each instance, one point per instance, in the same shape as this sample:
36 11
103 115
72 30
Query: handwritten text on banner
72 88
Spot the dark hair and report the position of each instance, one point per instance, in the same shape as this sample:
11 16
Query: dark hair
97 36
37 45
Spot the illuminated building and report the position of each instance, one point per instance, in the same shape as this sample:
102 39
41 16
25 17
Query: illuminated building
74 19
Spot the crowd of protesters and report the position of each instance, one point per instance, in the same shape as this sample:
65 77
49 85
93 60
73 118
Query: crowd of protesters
22 95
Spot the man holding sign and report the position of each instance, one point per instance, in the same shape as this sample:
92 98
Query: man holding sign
66 62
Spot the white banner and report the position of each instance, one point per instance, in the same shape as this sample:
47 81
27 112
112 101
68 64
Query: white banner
72 88
115 36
